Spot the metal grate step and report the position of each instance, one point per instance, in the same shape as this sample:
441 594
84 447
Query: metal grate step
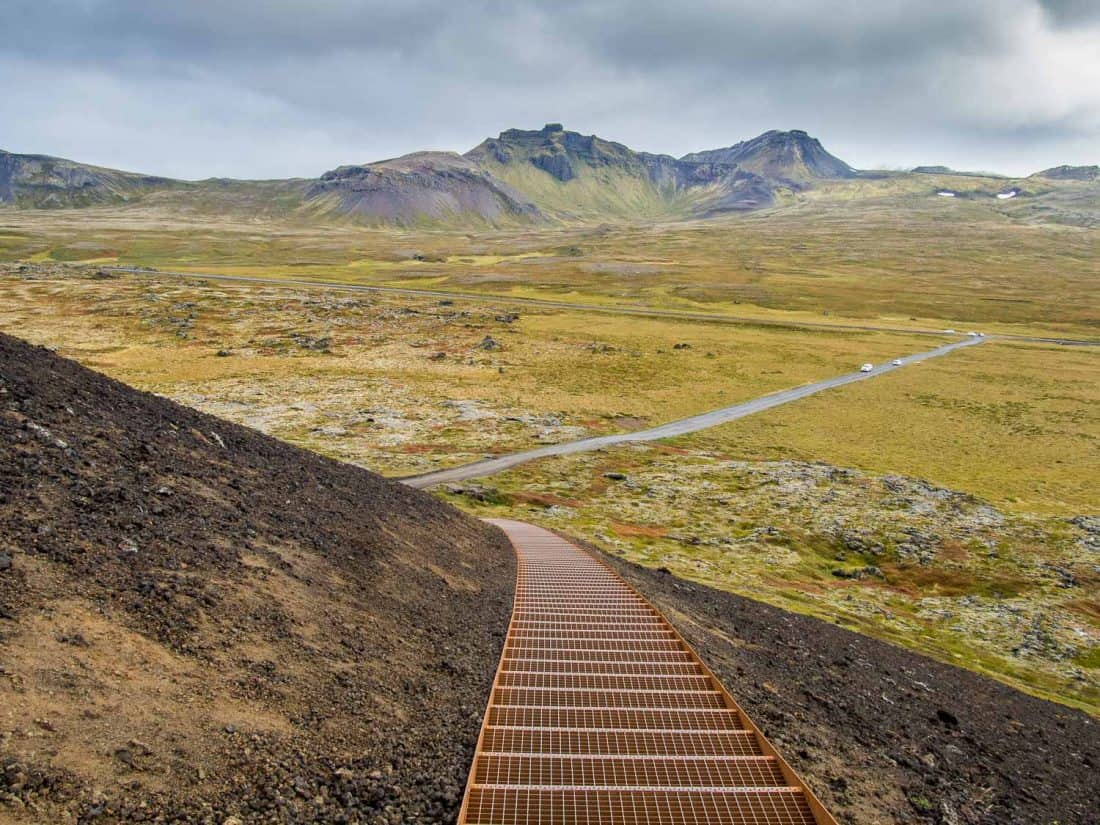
601 713
683 806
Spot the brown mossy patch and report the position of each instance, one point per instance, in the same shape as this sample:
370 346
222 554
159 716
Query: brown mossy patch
638 530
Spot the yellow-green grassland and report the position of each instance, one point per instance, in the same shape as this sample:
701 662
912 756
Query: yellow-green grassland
949 506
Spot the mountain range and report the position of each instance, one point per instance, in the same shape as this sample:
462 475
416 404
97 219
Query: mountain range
521 176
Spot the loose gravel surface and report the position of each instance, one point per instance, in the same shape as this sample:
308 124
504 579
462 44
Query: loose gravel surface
883 734
199 623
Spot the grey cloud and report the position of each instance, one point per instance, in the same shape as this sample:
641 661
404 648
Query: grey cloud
280 87
1072 12
784 35
242 30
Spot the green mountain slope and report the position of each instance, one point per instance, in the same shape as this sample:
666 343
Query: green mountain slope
553 175
583 176
45 182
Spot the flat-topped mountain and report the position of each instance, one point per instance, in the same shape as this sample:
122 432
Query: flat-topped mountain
1082 173
947 170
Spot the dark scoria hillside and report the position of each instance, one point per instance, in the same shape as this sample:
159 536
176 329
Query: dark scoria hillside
199 622
883 734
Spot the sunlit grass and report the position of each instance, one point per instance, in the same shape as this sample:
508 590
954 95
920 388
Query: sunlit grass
1018 424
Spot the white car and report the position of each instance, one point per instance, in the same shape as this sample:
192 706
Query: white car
867 368
949 332
896 362
972 334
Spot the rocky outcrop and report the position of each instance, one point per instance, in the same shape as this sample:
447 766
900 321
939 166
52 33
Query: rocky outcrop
561 154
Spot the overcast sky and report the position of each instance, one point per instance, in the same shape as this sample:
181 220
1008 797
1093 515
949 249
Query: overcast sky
279 88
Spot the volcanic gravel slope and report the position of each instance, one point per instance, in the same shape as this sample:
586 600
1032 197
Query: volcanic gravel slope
198 622
883 734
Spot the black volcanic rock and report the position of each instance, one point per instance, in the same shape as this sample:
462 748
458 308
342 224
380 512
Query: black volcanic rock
555 161
260 625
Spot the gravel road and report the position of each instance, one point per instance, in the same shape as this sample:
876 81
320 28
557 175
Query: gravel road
702 421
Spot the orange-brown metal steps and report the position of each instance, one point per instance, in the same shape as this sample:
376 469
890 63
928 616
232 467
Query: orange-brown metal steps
601 713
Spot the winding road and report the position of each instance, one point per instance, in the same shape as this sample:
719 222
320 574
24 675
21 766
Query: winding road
489 466
694 423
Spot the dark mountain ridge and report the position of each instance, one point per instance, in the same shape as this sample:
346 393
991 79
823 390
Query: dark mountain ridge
521 176
585 175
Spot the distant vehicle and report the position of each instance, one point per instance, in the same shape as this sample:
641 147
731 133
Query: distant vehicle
896 362
973 334
950 331
867 368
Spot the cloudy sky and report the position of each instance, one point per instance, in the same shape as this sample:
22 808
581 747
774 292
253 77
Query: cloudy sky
277 88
